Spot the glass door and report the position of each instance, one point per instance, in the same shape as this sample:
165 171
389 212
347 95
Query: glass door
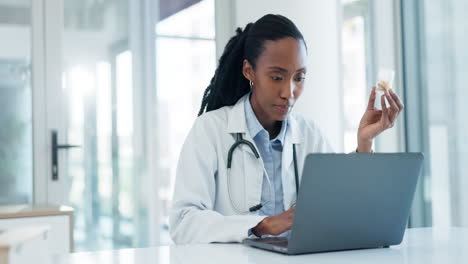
97 163
16 159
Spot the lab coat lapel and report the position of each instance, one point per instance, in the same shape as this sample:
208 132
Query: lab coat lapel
293 136
253 167
236 117
253 173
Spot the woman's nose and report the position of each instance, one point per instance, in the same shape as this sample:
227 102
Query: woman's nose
288 91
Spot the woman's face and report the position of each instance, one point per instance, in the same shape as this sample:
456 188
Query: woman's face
278 78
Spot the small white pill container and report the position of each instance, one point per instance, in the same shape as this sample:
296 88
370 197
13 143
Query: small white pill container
384 82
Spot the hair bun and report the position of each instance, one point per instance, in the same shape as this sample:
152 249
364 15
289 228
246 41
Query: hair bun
244 31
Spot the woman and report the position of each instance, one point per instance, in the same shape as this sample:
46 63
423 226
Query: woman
259 78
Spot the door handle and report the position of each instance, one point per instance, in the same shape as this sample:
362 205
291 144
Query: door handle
55 148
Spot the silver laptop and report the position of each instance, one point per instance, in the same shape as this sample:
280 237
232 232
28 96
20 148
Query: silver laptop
350 201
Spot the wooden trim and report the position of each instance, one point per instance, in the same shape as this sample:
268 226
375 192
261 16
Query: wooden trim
18 211
39 102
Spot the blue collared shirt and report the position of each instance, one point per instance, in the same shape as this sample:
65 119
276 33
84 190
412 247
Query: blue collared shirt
271 153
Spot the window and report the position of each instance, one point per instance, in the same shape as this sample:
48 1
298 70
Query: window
447 129
16 179
435 47
105 80
186 61
355 57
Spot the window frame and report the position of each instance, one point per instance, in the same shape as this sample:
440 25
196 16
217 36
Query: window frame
416 114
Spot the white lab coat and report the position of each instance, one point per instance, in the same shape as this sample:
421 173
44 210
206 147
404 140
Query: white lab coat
202 211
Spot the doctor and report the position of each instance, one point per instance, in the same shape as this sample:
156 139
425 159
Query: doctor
238 171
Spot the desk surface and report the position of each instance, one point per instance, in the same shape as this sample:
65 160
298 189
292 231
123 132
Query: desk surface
420 245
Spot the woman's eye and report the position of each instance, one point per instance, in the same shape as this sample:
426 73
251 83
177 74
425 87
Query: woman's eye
276 78
300 79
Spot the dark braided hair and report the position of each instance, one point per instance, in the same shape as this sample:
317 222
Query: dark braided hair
228 84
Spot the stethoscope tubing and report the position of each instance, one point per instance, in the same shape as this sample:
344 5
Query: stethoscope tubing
240 141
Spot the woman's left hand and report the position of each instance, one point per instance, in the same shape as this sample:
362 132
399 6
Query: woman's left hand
375 121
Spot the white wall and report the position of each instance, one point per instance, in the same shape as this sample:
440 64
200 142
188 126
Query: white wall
319 22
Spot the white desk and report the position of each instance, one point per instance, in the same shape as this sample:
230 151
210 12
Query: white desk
422 245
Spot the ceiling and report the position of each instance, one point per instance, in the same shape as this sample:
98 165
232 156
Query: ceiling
85 14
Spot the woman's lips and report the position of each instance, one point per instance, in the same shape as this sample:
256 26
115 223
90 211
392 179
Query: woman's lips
282 108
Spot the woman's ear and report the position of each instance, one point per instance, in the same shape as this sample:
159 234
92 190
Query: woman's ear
247 70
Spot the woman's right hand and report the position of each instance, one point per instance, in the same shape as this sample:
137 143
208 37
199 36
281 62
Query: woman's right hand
275 225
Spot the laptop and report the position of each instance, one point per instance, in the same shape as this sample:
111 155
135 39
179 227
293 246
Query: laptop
350 201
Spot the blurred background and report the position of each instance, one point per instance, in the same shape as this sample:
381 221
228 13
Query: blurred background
123 81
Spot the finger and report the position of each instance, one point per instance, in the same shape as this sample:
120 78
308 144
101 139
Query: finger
292 209
397 100
393 105
393 108
384 117
370 105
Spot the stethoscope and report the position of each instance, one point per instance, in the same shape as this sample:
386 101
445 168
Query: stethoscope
240 141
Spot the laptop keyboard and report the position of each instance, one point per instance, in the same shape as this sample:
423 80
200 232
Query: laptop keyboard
276 241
